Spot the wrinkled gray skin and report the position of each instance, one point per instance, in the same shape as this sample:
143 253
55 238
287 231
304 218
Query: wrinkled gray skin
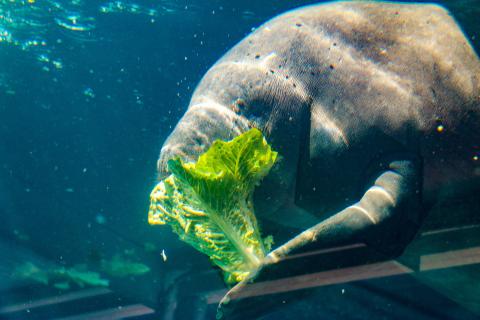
373 107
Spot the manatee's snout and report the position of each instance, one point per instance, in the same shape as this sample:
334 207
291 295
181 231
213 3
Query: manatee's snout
172 150
184 142
201 125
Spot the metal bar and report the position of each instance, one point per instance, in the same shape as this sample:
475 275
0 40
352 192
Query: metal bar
71 296
442 260
324 278
454 258
120 312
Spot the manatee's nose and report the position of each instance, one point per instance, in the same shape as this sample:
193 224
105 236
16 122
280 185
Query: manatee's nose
172 149
201 125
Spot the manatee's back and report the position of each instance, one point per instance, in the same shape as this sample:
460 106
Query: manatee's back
386 63
358 65
361 65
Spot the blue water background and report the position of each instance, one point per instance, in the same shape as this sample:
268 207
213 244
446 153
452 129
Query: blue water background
79 143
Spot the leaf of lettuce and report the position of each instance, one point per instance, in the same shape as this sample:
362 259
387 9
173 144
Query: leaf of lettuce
209 203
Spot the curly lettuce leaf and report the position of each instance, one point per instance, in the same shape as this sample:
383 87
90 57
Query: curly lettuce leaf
209 203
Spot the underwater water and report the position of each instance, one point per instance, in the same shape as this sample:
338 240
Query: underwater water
89 91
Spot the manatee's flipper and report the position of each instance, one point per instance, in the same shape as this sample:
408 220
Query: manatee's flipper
386 219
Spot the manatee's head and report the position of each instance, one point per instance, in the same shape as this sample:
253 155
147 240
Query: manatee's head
201 125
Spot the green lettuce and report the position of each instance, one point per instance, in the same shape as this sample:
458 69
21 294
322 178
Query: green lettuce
209 203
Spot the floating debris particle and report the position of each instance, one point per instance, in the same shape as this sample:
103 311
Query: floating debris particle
43 58
89 92
100 218
57 64
164 255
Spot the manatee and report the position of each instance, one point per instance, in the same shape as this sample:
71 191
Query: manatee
374 108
